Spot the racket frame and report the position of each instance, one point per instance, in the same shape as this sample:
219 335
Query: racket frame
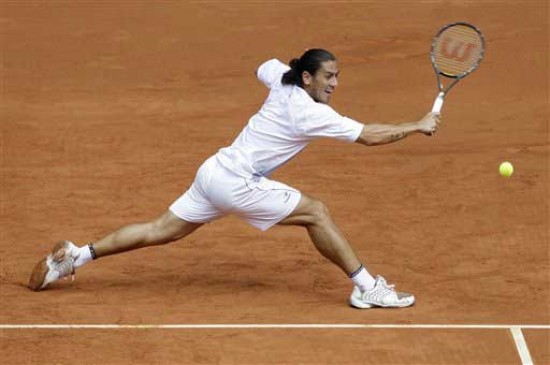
438 103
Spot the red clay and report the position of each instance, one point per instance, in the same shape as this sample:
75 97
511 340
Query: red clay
109 108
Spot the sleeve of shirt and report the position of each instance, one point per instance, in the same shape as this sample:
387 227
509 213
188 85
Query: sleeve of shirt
322 121
271 72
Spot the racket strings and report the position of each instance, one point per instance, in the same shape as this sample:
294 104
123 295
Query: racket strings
457 50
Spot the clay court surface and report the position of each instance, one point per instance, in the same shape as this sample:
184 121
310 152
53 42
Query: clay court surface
109 108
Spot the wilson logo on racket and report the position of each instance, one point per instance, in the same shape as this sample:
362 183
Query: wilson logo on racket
457 51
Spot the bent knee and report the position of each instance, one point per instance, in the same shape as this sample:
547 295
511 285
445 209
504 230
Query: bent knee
319 211
309 211
314 212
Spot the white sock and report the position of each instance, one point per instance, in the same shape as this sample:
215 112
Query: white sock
84 256
362 278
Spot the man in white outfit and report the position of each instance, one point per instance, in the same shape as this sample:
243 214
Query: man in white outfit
236 180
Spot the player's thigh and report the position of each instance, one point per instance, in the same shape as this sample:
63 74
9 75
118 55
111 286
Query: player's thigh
262 202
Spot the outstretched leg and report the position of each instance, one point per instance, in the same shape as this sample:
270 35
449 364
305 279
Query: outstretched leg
331 243
65 256
165 229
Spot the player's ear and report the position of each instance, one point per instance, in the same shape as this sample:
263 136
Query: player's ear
306 78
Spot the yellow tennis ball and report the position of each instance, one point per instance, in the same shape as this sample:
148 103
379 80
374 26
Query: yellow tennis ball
506 169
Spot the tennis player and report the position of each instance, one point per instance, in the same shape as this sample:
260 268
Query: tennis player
236 180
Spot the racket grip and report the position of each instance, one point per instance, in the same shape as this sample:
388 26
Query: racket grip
438 103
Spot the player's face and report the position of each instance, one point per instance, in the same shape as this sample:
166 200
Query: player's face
321 85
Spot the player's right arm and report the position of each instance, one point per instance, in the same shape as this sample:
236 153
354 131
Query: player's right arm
379 134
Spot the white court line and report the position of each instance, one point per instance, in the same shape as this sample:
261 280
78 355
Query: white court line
521 345
269 326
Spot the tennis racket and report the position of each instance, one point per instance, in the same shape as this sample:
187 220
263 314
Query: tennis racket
457 50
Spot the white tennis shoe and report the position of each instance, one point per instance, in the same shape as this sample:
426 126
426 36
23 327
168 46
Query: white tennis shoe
58 264
382 295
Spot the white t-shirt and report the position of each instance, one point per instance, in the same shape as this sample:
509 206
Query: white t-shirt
288 120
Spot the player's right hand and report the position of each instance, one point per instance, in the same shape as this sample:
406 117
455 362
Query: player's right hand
429 123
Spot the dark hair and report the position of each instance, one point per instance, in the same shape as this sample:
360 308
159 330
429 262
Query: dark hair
310 61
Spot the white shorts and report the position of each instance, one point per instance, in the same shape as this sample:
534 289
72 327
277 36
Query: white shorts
217 191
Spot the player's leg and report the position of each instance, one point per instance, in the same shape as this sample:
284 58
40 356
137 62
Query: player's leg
184 216
65 257
264 203
331 243
327 237
166 228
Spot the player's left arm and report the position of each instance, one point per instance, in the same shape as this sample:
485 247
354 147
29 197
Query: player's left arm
379 134
270 72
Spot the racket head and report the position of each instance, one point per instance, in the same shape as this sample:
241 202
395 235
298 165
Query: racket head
457 50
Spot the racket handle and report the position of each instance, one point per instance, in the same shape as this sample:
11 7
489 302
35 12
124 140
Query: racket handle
438 103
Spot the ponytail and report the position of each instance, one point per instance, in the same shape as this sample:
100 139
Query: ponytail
294 75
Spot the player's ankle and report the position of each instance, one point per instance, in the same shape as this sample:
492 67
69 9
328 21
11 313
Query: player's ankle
85 254
362 278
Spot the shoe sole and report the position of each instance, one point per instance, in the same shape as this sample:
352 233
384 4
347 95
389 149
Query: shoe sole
38 275
41 269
